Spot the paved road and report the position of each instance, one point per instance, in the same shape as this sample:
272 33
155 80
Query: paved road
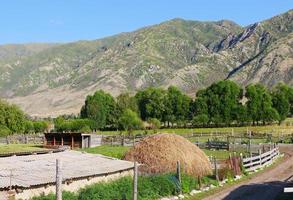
265 186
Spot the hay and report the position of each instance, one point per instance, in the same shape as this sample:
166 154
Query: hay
160 153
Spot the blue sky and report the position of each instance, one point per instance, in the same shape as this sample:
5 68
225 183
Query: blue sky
24 21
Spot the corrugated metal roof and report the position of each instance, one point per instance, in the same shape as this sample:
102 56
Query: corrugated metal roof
35 170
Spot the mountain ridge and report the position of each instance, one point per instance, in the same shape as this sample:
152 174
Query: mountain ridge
188 54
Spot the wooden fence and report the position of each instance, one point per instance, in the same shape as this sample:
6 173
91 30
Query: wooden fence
263 159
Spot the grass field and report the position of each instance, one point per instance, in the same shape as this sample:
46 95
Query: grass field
14 148
276 130
111 151
219 154
119 151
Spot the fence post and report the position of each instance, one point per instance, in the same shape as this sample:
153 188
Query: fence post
241 158
178 169
135 176
123 138
58 180
133 139
216 169
260 161
250 144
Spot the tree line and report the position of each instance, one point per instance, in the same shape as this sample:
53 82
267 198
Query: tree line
223 103
13 120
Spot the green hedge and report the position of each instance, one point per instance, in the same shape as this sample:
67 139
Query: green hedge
149 188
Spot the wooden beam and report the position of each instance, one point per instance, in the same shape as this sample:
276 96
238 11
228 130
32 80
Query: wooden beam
54 141
72 142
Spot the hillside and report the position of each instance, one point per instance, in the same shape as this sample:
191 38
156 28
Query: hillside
47 80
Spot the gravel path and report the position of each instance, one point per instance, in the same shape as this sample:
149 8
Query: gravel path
264 186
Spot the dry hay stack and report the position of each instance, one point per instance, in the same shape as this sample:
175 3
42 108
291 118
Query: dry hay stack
160 153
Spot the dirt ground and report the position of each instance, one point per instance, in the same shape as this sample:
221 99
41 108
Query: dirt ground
265 186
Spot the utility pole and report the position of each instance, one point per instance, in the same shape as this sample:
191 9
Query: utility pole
135 176
58 179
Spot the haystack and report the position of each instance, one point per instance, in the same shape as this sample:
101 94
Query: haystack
160 153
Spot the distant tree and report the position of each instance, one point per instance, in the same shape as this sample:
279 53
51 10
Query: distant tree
240 114
125 101
100 107
40 126
4 131
12 117
29 126
271 115
254 95
74 125
218 101
259 104
177 105
199 106
151 103
281 101
155 123
200 120
129 121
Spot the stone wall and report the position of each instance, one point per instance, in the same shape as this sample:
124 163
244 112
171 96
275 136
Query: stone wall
23 139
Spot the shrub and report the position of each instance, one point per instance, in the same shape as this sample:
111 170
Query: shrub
149 188
155 123
188 183
65 196
4 131
226 173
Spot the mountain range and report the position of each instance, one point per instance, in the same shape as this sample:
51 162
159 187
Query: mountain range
53 79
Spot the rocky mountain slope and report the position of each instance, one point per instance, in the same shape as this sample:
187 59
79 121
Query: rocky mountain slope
47 80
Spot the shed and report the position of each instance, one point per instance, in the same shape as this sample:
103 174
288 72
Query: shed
74 139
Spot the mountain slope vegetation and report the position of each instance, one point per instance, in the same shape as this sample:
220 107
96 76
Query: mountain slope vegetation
53 79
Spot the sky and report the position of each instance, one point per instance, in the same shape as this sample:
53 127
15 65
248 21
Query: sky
26 21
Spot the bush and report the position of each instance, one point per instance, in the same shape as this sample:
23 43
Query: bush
188 183
65 196
4 131
226 173
155 123
149 188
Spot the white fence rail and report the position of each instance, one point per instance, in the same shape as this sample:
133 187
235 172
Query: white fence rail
261 160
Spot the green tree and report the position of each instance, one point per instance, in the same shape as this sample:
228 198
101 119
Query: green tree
240 114
151 103
154 123
259 104
177 105
40 126
12 117
281 101
125 101
29 126
129 121
200 120
100 107
218 101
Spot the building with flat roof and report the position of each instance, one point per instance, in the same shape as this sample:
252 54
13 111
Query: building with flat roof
34 175
74 140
